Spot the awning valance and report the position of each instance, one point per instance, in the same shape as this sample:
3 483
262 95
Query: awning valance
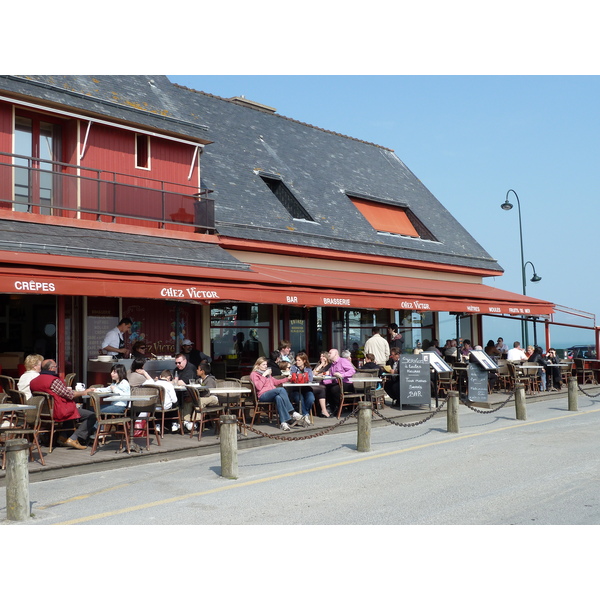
266 284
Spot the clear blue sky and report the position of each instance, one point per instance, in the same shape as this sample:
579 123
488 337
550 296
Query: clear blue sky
470 139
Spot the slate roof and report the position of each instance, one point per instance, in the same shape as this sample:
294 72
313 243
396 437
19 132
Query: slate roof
138 99
57 240
319 167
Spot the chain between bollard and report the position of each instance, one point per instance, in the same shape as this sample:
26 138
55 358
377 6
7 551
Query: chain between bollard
297 438
586 394
488 412
399 424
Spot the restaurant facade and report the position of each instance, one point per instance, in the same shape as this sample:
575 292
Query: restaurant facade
220 221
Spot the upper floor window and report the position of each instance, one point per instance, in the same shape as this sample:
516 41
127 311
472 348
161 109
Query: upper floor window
391 219
142 151
286 198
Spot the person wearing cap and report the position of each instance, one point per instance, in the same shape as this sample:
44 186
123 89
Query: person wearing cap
192 355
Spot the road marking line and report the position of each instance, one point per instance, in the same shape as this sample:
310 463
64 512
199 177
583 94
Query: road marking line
234 486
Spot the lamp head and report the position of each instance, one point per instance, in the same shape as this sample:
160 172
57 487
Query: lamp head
506 205
535 278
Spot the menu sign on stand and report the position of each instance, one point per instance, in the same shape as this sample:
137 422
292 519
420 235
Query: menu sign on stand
415 380
478 383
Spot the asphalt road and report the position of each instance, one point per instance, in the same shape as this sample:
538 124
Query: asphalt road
497 470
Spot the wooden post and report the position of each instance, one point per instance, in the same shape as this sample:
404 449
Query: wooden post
229 458
17 480
572 391
365 414
520 405
452 412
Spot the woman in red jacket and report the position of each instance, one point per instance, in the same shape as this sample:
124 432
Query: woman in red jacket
268 390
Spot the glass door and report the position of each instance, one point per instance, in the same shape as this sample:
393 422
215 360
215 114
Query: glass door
37 146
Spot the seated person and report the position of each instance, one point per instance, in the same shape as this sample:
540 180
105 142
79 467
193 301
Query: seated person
184 371
65 408
137 375
164 381
33 366
273 363
538 357
139 350
343 367
371 365
305 396
268 389
516 354
553 374
284 367
119 387
206 399
491 349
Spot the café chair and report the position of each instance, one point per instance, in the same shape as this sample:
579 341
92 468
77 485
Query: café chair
109 424
350 399
30 426
445 382
160 406
142 414
565 372
259 407
69 378
203 415
7 383
236 403
583 372
47 423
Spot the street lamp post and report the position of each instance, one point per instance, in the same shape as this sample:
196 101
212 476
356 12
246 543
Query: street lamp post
506 205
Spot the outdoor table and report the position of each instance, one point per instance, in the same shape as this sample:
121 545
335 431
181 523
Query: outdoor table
299 385
13 408
365 380
232 391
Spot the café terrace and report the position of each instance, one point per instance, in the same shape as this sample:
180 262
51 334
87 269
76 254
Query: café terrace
218 220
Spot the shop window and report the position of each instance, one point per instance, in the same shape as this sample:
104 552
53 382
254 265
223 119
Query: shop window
287 199
240 331
417 329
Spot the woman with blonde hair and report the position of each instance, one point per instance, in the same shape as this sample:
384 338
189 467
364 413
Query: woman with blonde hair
33 366
268 389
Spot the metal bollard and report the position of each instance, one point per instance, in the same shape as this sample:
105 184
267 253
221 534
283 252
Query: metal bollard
572 393
17 480
365 414
520 405
229 458
452 411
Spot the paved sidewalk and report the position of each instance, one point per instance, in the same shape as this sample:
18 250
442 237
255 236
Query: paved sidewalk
63 462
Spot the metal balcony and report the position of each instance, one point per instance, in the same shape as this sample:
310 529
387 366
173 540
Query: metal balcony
52 188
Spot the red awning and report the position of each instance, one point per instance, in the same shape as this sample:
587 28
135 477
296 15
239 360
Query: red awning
268 285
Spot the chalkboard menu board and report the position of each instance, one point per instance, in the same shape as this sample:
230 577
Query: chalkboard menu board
415 379
478 383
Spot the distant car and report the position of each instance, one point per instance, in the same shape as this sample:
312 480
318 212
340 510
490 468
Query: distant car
582 352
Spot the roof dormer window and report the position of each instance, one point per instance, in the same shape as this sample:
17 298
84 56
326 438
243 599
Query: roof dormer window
287 199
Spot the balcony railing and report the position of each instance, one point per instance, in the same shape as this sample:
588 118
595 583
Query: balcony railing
53 188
